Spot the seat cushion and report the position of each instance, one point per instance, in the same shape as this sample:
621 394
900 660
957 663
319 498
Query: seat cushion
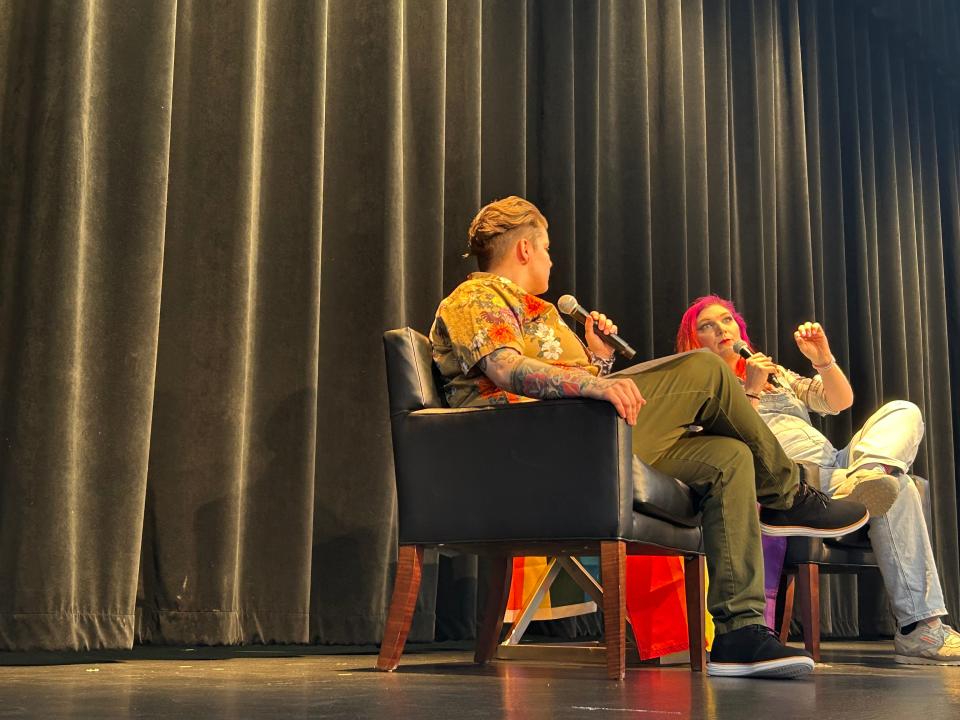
859 540
665 534
802 550
661 496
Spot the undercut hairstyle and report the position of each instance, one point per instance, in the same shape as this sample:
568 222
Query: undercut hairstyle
498 226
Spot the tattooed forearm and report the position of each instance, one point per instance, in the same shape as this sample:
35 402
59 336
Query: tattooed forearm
540 380
513 372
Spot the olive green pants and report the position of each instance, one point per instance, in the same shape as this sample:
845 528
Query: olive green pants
733 463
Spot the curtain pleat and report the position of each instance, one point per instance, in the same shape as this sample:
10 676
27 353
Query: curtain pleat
210 212
85 172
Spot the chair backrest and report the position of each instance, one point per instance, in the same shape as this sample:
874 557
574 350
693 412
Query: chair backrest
413 381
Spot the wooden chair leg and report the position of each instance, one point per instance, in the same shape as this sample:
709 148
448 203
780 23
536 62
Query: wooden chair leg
613 565
694 569
788 585
491 623
402 604
808 586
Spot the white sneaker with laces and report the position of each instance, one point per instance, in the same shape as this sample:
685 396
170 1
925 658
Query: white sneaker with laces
937 644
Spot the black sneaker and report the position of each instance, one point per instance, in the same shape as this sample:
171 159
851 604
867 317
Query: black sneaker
815 515
754 651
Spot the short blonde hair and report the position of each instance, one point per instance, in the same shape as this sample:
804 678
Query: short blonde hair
493 229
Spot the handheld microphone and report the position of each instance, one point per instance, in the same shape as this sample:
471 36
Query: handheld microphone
744 351
569 306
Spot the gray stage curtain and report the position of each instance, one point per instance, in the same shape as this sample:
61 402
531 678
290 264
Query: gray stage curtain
210 211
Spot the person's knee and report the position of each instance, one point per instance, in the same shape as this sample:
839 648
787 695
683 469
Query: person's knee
735 479
734 457
705 365
907 412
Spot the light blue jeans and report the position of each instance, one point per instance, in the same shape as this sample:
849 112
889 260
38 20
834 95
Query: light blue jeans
900 540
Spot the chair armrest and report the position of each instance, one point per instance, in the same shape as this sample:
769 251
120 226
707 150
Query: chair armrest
541 470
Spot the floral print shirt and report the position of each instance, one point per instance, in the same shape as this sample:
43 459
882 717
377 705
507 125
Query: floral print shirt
485 313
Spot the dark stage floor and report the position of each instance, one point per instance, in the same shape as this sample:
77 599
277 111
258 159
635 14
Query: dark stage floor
857 680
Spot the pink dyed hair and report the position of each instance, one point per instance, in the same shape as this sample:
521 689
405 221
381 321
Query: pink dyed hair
687 333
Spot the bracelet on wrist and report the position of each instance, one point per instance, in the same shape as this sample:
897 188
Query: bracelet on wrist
751 395
826 366
605 365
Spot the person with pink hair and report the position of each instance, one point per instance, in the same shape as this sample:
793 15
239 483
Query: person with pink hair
872 468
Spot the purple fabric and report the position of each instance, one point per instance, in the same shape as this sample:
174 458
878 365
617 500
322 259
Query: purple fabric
774 551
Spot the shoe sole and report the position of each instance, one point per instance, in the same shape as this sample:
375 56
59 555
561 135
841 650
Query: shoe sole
911 660
783 668
795 530
877 495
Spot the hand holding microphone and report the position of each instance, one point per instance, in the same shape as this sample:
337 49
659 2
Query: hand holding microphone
594 328
761 369
569 306
622 393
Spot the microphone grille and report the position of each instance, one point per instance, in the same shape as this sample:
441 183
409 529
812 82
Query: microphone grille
739 345
567 304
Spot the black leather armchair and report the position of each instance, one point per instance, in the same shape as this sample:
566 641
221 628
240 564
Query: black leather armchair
467 480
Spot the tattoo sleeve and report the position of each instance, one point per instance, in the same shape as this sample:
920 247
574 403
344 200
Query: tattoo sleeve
513 372
605 365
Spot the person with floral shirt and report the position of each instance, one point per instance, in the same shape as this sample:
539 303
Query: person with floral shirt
488 312
495 341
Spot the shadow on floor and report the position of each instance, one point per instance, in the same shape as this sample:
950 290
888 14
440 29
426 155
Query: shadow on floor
199 653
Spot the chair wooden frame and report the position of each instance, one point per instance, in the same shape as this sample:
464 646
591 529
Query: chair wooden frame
800 584
804 581
612 594
800 591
